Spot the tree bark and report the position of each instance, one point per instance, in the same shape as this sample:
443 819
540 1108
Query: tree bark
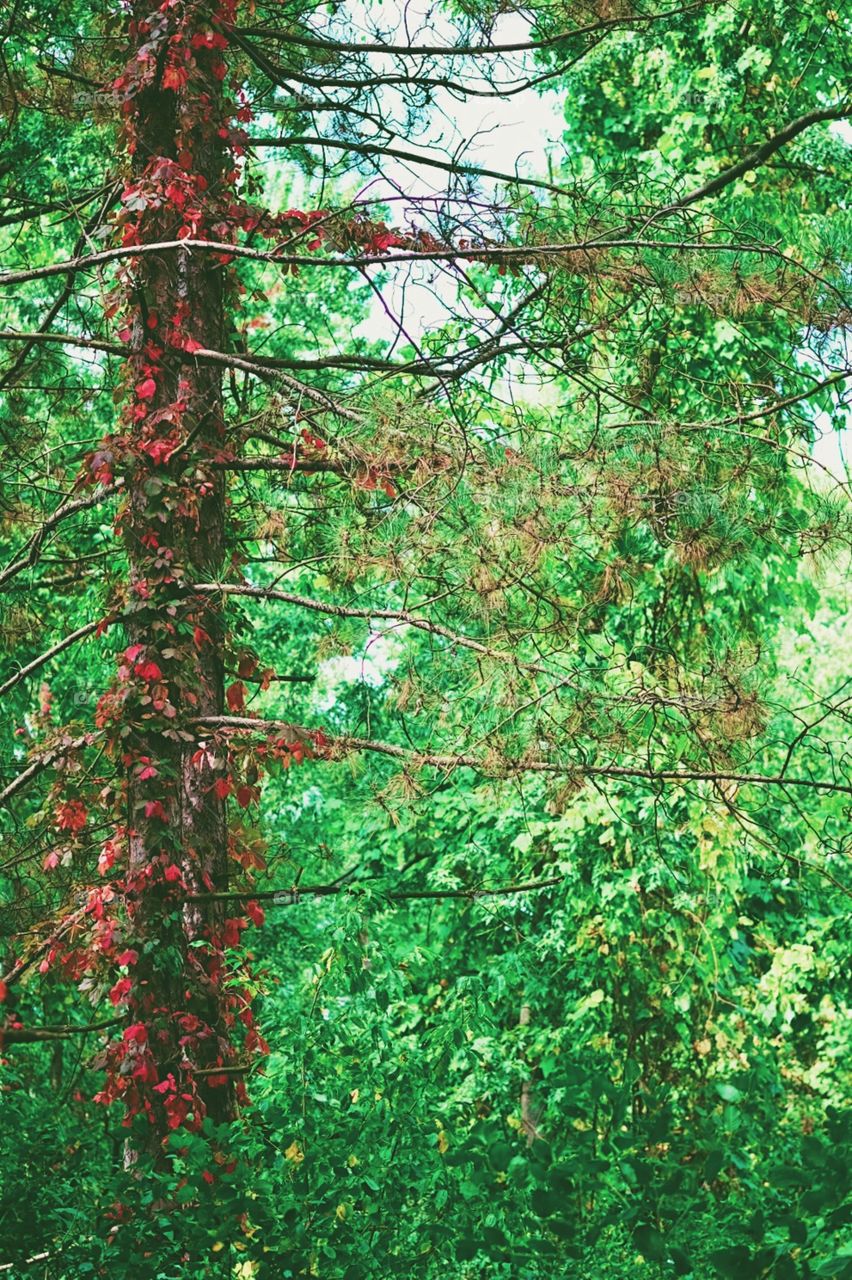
174 530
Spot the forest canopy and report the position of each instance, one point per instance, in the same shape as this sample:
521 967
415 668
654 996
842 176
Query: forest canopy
424 542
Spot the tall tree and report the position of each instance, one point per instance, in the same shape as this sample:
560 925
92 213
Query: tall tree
556 531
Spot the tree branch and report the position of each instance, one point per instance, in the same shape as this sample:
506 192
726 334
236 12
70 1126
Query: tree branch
759 156
61 645
482 253
388 615
447 166
68 508
468 50
41 762
291 897
34 1035
510 768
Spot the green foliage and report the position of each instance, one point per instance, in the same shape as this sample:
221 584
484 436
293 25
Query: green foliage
638 1066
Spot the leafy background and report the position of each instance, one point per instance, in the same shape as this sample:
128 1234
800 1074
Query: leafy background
642 1068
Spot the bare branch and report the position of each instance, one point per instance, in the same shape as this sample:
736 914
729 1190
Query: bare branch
510 768
35 1035
68 508
490 253
468 50
290 897
61 645
40 763
447 166
760 155
400 616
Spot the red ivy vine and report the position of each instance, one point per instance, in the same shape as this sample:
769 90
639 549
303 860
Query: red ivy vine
188 1009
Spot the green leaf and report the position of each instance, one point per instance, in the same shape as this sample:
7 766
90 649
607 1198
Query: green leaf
787 1175
680 1261
649 1242
545 1203
838 1266
735 1262
728 1092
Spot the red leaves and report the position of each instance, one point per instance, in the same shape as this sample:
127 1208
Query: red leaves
51 861
96 904
255 1042
255 913
45 700
179 55
146 389
71 816
110 850
176 194
287 753
148 671
316 442
382 240
231 931
99 465
236 696
249 855
304 219
175 77
119 992
4 991
245 795
105 935
177 1109
372 479
224 787
203 758
176 1105
209 40
246 666
160 451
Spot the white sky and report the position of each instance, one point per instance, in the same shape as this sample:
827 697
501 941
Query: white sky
512 134
516 134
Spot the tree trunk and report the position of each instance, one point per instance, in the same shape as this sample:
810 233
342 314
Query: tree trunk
174 534
529 1114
